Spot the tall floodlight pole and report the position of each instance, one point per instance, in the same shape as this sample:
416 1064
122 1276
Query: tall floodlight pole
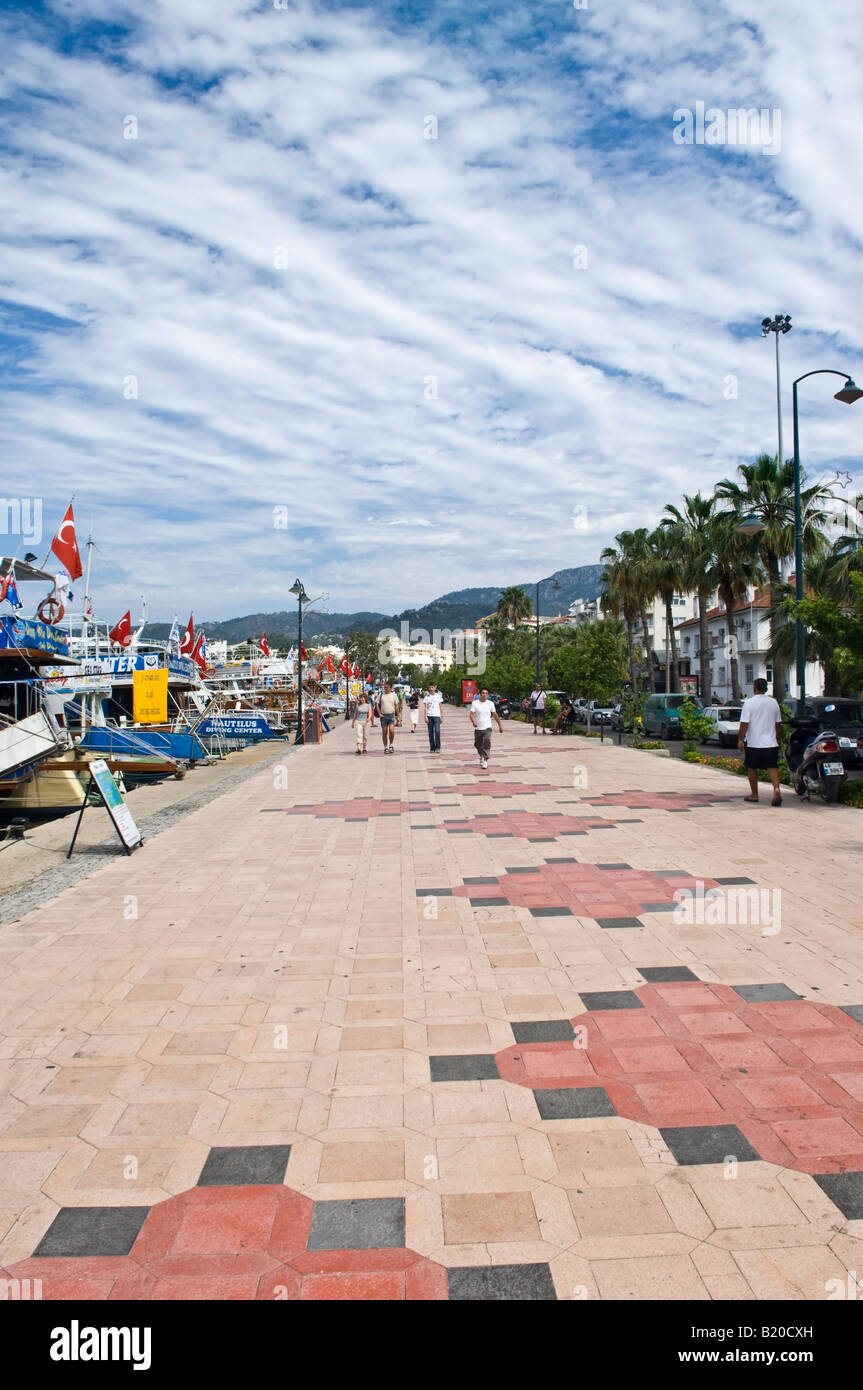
779 324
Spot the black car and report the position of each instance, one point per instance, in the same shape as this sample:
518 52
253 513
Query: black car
501 704
843 716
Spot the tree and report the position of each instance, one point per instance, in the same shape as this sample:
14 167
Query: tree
513 606
842 629
736 565
694 527
669 556
600 659
767 491
631 587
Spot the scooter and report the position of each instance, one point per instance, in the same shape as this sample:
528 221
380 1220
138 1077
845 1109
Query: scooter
814 762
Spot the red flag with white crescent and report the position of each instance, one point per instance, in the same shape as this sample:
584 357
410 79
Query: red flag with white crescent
198 656
345 666
187 645
263 644
121 634
304 656
356 672
65 545
330 667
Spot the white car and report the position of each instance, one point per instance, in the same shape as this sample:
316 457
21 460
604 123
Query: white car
726 724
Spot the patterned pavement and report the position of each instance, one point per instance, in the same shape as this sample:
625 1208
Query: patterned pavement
436 1033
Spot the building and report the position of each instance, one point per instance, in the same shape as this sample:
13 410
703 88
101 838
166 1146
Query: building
684 607
426 655
751 641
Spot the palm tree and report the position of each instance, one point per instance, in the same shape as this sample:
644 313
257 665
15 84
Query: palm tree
666 543
513 606
695 525
737 567
630 579
767 491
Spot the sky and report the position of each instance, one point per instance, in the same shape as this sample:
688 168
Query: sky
408 297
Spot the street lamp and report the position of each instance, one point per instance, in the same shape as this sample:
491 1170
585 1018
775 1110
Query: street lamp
302 597
779 324
848 394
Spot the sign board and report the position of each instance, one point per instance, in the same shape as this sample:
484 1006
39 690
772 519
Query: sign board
33 634
104 785
235 726
150 696
469 692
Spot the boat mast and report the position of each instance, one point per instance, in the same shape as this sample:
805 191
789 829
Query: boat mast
88 603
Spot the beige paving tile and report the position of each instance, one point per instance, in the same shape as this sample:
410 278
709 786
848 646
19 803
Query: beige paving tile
470 1218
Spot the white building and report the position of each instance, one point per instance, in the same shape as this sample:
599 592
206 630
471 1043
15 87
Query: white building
751 641
683 608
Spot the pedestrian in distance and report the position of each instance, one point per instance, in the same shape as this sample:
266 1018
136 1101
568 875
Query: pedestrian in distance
363 720
389 712
759 739
482 712
432 704
537 706
413 704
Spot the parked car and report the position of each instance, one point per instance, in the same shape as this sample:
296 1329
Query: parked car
726 724
617 718
662 714
580 709
599 712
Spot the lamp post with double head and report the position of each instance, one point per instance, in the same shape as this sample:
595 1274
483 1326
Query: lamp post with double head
779 324
302 597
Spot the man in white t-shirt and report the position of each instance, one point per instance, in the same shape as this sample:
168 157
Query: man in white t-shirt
759 739
482 712
389 711
432 703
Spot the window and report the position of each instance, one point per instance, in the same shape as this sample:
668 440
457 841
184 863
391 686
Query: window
686 641
750 674
749 632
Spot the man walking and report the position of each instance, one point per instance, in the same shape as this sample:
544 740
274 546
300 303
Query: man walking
432 703
413 704
482 711
759 739
537 706
389 710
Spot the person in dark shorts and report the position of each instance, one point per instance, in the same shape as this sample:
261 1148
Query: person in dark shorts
482 712
389 714
759 739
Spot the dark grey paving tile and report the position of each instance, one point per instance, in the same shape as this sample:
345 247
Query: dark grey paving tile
570 833
610 999
845 1190
574 1103
251 1166
369 1223
491 879
562 859
434 892
551 912
665 974
520 870
854 1011
658 907
501 1283
614 866
708 1144
541 839
83 1231
734 880
500 835
475 1066
545 1030
459 830
765 994
610 923
499 901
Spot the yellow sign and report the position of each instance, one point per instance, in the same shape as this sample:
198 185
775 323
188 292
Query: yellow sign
150 697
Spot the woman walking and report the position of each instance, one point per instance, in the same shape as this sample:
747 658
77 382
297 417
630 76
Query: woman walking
364 715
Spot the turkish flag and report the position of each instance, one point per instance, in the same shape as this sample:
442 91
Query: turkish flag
197 653
187 645
263 644
330 667
345 667
304 656
65 545
121 635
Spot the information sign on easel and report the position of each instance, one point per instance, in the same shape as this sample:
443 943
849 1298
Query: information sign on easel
103 784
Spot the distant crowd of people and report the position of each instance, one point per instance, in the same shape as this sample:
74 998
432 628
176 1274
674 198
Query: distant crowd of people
385 706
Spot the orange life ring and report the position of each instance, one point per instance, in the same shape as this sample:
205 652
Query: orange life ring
54 606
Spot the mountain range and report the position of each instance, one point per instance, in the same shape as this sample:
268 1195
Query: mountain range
461 608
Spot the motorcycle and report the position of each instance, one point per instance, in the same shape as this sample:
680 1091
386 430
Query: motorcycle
813 759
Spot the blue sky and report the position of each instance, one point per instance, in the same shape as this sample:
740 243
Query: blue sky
430 350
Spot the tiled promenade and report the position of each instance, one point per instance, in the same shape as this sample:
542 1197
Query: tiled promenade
391 1028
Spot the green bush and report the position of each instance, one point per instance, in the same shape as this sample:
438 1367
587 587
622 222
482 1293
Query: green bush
694 726
851 793
552 708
